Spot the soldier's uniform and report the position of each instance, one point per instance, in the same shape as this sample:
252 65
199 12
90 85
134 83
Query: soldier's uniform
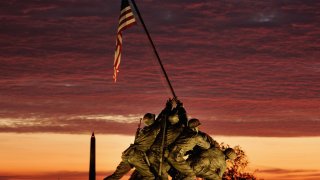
212 142
172 133
186 142
173 130
135 155
197 150
210 164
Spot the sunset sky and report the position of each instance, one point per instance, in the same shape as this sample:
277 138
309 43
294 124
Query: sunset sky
249 70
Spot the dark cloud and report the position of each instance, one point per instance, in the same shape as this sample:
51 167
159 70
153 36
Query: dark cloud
230 62
268 129
81 126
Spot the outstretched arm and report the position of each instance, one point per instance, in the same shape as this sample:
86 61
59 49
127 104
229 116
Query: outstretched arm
202 142
166 111
182 113
208 138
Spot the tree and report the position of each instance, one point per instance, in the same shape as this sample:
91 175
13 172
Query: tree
236 169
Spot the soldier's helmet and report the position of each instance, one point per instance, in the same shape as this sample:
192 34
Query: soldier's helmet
149 119
193 123
230 153
173 118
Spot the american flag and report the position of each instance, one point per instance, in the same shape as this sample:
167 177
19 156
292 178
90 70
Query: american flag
126 19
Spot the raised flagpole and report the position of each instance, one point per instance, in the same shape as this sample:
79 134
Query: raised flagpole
165 75
154 48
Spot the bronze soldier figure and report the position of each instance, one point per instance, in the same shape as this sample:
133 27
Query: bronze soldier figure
188 139
173 129
211 164
135 155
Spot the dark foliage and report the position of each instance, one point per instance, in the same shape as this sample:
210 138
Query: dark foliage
236 168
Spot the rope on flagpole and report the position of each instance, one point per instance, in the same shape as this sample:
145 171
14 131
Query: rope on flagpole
154 48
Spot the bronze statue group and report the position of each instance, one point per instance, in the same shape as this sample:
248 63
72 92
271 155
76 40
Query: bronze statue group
171 145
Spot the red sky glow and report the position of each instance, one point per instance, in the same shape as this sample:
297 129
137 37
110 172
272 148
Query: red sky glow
244 68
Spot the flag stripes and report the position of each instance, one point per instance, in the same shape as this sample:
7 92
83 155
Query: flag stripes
126 19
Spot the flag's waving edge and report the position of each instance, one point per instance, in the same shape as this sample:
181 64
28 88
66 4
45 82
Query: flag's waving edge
126 19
